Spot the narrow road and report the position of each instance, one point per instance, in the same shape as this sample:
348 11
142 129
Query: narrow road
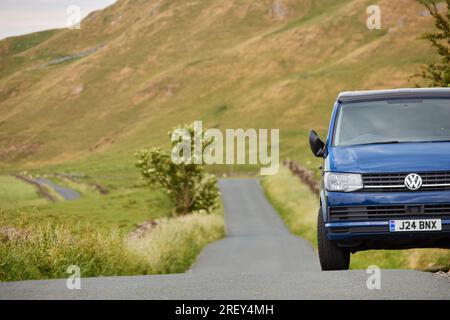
257 240
65 193
259 259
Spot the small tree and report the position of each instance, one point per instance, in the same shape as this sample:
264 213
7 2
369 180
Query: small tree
437 73
188 185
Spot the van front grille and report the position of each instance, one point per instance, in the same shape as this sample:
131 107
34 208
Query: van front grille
395 182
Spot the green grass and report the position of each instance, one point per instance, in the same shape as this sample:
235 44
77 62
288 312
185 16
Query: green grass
122 209
46 251
19 44
43 251
15 193
315 12
298 207
10 49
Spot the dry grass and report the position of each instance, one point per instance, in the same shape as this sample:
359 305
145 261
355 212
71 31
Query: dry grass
45 251
173 245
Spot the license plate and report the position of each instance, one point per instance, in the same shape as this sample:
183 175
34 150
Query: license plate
415 225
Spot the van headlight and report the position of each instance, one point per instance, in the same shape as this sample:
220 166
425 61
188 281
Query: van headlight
343 182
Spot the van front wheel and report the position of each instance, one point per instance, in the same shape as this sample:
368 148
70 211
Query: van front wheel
332 257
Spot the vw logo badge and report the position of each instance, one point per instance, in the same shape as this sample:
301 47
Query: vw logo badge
413 181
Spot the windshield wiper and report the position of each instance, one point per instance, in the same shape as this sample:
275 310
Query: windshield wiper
437 141
380 142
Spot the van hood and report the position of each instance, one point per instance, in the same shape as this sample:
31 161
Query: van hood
396 157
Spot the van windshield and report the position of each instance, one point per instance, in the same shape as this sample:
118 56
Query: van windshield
393 121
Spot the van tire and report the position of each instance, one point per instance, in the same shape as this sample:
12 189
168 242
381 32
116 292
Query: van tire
332 257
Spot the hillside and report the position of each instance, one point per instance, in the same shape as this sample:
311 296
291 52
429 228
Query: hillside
91 97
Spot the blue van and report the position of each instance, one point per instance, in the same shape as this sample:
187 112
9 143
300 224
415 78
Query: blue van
386 173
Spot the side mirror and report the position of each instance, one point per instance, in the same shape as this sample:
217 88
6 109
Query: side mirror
317 145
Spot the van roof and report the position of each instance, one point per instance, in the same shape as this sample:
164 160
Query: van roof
406 93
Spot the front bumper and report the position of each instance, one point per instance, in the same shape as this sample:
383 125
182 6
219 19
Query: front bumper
372 231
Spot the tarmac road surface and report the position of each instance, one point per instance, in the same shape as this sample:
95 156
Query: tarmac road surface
65 193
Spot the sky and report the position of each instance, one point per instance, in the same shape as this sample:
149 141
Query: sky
25 16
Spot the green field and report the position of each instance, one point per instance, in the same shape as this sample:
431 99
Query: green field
15 193
123 209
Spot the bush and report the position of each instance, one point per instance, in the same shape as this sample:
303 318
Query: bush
187 184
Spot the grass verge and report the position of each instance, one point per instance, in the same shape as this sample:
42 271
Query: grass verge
45 251
298 208
31 251
174 244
